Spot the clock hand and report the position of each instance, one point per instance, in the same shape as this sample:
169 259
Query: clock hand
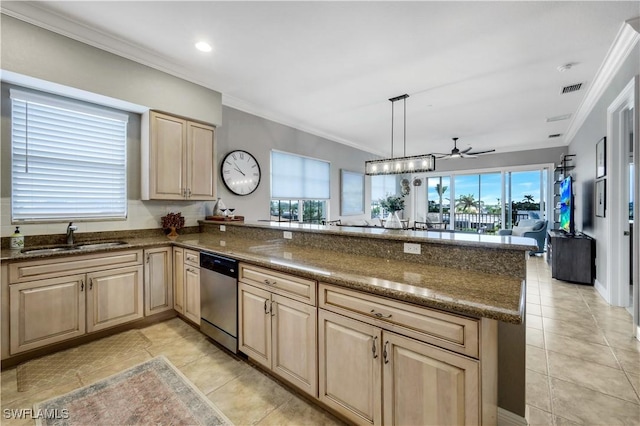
238 169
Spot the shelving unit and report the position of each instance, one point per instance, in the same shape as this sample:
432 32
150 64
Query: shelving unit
559 173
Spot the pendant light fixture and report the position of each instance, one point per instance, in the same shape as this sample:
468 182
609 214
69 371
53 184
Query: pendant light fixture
400 165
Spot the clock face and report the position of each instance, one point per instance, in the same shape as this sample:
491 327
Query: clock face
240 172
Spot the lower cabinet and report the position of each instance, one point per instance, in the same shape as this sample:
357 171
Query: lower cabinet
374 376
186 283
280 334
55 309
158 280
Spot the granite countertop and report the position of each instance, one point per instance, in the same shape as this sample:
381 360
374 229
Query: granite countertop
455 290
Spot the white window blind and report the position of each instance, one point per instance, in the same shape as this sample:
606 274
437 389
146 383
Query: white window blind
383 185
68 160
297 177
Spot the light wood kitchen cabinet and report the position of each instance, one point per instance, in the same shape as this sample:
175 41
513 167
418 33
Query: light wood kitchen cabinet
55 299
158 280
186 278
277 331
47 311
114 297
178 159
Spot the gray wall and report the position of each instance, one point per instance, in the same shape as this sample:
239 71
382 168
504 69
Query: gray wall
507 159
39 53
584 146
259 136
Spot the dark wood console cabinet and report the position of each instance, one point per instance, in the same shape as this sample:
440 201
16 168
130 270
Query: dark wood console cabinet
572 257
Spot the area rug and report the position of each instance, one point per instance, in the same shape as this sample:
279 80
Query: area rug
52 370
152 393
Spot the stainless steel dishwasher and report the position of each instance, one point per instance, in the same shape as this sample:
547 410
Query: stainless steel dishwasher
219 299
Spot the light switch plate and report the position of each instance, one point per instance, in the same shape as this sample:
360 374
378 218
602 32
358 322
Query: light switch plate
223 228
223 243
287 235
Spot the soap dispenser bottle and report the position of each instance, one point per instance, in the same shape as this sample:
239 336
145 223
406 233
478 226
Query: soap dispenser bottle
17 240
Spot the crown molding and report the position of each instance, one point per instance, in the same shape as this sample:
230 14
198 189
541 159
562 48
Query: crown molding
249 108
626 39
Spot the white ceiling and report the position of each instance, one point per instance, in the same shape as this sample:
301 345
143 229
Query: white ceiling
485 72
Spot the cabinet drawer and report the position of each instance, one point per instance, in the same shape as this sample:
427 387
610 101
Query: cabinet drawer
449 331
297 288
192 258
59 266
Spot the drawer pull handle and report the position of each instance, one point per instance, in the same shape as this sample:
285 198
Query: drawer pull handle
91 284
81 285
267 282
379 315
373 348
265 307
273 314
385 354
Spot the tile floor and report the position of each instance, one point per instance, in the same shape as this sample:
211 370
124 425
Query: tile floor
583 366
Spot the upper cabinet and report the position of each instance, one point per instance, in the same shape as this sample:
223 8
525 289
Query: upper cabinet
178 159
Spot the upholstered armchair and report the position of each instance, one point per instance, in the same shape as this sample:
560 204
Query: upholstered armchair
531 228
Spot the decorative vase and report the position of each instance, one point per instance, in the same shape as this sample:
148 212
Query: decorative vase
173 234
393 221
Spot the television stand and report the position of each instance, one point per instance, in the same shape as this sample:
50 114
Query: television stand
571 256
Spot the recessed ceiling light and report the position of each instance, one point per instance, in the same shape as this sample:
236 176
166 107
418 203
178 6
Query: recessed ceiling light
203 46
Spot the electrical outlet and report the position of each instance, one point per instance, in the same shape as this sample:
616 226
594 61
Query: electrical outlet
287 235
223 243
412 248
288 255
223 228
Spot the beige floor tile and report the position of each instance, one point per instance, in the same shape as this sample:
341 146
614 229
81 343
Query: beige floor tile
577 305
260 395
534 321
534 309
563 314
582 405
588 333
300 413
538 417
630 360
212 371
622 340
161 334
635 382
183 351
536 359
29 398
561 421
615 324
580 349
537 392
114 368
535 337
610 381
9 385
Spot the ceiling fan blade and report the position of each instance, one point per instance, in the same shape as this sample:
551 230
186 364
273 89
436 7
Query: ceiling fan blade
438 156
465 151
481 152
440 153
468 155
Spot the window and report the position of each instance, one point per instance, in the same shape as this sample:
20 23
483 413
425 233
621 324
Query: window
381 186
299 181
68 160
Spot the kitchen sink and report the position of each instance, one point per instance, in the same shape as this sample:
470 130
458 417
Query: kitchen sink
82 246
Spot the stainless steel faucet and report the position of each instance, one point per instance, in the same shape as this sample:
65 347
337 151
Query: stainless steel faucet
70 229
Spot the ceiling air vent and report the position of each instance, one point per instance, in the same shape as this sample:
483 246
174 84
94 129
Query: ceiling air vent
555 135
571 88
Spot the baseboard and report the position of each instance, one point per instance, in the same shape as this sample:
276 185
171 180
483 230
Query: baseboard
602 290
507 418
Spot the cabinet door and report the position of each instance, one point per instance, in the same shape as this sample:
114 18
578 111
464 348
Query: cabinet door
254 323
114 297
350 372
201 165
426 385
167 180
46 311
294 343
178 279
192 294
158 280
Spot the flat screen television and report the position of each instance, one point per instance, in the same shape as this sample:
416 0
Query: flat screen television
566 205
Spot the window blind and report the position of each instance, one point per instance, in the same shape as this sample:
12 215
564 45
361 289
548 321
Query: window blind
298 177
68 160
383 185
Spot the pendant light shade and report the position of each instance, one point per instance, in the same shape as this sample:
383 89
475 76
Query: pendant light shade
400 165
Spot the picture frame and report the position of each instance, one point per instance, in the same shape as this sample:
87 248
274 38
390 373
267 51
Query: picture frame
601 158
601 198
351 193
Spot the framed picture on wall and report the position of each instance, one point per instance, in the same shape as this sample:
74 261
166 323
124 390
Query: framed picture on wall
601 198
351 193
601 158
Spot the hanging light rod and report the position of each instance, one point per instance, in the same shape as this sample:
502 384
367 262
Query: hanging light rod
400 165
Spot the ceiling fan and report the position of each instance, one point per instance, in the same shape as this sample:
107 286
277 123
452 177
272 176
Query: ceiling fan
456 153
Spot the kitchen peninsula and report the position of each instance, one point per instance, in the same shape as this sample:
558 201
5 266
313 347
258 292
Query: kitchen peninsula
462 297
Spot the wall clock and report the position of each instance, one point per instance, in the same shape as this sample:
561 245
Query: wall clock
240 172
